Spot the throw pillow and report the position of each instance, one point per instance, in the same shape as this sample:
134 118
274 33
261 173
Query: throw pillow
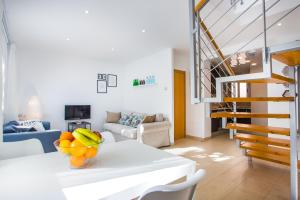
38 126
125 119
136 120
113 117
159 117
20 129
149 119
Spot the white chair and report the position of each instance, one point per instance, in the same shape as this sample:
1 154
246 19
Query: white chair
21 148
181 191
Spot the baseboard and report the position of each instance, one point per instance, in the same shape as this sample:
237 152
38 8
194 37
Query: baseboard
198 138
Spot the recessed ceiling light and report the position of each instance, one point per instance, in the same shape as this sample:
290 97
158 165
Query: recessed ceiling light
86 12
67 38
279 24
112 49
253 64
144 31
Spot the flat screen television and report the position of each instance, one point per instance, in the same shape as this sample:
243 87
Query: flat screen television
76 112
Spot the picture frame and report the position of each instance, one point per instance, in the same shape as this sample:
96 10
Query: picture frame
112 80
102 77
101 86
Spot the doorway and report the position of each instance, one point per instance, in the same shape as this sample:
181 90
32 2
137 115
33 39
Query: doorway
179 104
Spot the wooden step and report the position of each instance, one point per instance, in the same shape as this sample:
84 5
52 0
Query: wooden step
259 128
265 148
247 115
257 99
285 160
262 139
275 78
290 58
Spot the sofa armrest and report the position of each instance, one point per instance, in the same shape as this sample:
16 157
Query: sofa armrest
47 138
149 127
154 134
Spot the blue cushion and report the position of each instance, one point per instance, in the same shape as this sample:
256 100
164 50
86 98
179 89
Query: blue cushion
46 125
9 129
19 129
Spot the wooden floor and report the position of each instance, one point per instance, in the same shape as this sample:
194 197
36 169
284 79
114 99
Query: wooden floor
228 175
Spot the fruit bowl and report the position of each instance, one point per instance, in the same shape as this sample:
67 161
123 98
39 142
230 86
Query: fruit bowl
81 146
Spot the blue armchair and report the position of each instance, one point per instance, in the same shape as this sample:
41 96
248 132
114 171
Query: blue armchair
46 137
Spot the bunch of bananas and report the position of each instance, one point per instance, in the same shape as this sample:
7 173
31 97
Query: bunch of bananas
87 137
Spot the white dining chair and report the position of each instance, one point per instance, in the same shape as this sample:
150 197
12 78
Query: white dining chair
181 191
21 148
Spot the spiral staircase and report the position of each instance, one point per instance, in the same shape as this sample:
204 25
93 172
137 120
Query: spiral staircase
214 81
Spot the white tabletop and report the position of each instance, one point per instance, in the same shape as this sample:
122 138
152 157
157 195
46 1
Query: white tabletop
122 169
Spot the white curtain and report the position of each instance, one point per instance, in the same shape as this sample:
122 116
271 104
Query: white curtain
11 94
3 59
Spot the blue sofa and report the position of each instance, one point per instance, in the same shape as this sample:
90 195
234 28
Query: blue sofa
46 137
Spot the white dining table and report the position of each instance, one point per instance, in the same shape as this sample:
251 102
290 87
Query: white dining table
121 170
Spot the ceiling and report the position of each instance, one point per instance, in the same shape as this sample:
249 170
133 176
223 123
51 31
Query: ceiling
113 29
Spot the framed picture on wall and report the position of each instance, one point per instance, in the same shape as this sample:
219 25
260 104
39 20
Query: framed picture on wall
112 80
102 77
101 86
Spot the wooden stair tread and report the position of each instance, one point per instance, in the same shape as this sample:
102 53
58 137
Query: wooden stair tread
275 78
285 160
259 128
254 99
262 139
290 58
247 115
265 148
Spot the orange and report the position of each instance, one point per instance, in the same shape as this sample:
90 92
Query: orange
66 136
77 161
91 152
64 146
77 148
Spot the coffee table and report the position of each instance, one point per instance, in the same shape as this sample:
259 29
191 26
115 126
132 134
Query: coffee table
123 170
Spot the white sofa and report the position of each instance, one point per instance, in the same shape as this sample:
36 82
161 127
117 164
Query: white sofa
155 134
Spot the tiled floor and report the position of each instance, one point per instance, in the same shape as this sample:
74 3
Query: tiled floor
228 175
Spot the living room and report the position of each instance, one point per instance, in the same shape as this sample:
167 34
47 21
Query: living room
130 77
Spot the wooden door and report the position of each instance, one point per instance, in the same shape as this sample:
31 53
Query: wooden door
179 104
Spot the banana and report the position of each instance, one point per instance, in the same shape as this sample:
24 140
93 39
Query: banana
89 134
84 140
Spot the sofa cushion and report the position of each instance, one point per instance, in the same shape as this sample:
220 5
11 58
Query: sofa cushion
125 119
149 119
124 130
9 128
159 117
113 117
137 118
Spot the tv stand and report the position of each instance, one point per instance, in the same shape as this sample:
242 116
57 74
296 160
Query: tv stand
79 124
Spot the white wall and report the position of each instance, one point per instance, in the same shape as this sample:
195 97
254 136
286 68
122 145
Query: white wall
58 80
259 90
3 48
151 99
198 122
276 90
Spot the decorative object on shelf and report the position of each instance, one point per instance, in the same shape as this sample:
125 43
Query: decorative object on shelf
112 80
149 80
101 86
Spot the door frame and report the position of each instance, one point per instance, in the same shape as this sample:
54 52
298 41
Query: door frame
184 73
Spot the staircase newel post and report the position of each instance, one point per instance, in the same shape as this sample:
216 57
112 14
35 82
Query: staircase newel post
293 139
